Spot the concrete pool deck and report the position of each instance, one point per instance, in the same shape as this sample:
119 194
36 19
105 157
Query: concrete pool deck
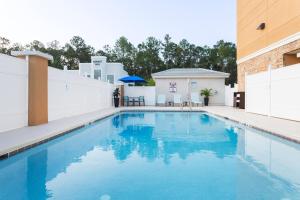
14 141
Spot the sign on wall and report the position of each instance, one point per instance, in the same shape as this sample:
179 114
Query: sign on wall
172 87
194 85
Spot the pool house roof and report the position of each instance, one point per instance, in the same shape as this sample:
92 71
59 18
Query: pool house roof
190 72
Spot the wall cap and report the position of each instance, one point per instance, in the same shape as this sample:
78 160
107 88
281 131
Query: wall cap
32 53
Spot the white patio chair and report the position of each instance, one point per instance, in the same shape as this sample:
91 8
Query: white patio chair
161 99
195 99
177 99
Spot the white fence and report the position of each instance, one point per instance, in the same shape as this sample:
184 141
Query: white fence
229 92
68 94
71 94
147 91
274 93
14 95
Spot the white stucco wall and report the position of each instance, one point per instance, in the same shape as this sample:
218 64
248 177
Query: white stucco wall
147 91
116 69
74 71
85 69
218 84
70 94
14 93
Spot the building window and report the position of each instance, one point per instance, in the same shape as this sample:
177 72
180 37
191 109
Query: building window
194 84
110 79
97 74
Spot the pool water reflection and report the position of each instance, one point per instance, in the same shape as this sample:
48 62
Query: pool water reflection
156 155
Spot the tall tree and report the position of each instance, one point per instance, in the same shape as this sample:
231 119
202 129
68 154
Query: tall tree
4 45
125 52
169 52
189 54
54 49
108 52
77 51
225 59
16 47
36 45
148 57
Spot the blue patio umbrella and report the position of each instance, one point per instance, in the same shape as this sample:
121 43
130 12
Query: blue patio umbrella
132 79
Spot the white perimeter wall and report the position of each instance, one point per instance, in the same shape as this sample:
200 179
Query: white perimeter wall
13 89
71 94
68 94
275 93
229 92
147 91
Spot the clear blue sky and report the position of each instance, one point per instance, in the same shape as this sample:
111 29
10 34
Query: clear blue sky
101 22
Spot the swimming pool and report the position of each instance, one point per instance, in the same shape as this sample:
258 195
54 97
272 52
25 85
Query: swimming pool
156 155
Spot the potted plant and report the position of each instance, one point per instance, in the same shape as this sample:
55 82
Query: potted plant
206 93
116 95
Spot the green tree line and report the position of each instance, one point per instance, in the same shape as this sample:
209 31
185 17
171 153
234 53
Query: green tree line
151 55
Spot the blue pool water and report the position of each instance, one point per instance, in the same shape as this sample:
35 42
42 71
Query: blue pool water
156 155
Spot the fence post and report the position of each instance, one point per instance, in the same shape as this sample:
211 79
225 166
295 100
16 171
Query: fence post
37 63
245 89
270 89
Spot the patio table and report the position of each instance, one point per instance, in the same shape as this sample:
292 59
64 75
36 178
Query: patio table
134 100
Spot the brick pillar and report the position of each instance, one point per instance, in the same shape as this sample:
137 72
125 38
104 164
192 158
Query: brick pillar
37 85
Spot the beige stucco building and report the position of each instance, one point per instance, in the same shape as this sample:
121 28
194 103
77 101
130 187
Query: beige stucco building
268 56
268 34
184 81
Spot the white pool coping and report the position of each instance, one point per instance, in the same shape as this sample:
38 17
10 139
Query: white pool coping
14 141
